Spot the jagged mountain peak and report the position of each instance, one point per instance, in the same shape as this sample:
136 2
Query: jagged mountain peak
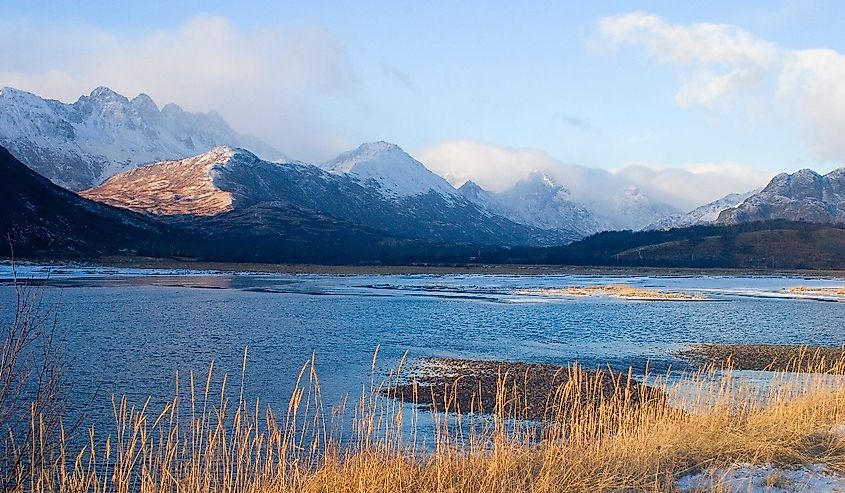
13 92
380 145
172 109
837 174
144 102
105 94
470 186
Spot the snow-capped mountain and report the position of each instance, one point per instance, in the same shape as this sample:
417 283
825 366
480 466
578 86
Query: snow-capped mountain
705 214
225 181
543 202
389 169
802 196
537 201
81 144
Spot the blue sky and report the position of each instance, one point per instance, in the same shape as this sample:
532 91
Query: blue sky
545 77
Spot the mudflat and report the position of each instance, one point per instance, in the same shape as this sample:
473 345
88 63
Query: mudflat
517 390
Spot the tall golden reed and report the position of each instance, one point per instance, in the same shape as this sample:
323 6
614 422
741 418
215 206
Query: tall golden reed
588 442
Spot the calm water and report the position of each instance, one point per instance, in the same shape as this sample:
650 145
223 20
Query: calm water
131 331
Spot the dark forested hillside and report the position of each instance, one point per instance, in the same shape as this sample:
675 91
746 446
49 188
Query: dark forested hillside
772 244
40 219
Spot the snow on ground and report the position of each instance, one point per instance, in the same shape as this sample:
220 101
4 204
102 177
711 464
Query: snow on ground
24 271
748 478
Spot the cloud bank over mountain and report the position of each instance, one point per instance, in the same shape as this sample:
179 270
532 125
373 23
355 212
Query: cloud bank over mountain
498 168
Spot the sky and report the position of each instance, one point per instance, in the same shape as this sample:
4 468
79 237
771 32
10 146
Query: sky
492 91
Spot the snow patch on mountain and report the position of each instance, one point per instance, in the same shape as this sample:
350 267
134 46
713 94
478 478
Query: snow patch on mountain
705 214
391 170
538 201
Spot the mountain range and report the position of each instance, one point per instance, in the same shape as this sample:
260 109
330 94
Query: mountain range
403 200
190 175
39 219
81 144
42 220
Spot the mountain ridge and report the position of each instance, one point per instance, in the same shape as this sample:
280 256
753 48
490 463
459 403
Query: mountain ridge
226 179
80 144
804 195
703 214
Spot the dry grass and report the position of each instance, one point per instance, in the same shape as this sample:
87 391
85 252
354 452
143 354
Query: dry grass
622 291
834 291
607 442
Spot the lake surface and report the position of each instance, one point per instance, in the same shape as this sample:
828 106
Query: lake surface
130 331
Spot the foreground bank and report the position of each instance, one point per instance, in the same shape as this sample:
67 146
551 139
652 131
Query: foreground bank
599 432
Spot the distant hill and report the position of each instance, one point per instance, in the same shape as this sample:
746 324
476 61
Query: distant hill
778 244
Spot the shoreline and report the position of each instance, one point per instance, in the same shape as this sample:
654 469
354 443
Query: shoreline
428 269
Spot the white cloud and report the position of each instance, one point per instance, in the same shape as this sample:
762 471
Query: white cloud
497 168
722 63
724 58
699 43
812 82
265 81
694 184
